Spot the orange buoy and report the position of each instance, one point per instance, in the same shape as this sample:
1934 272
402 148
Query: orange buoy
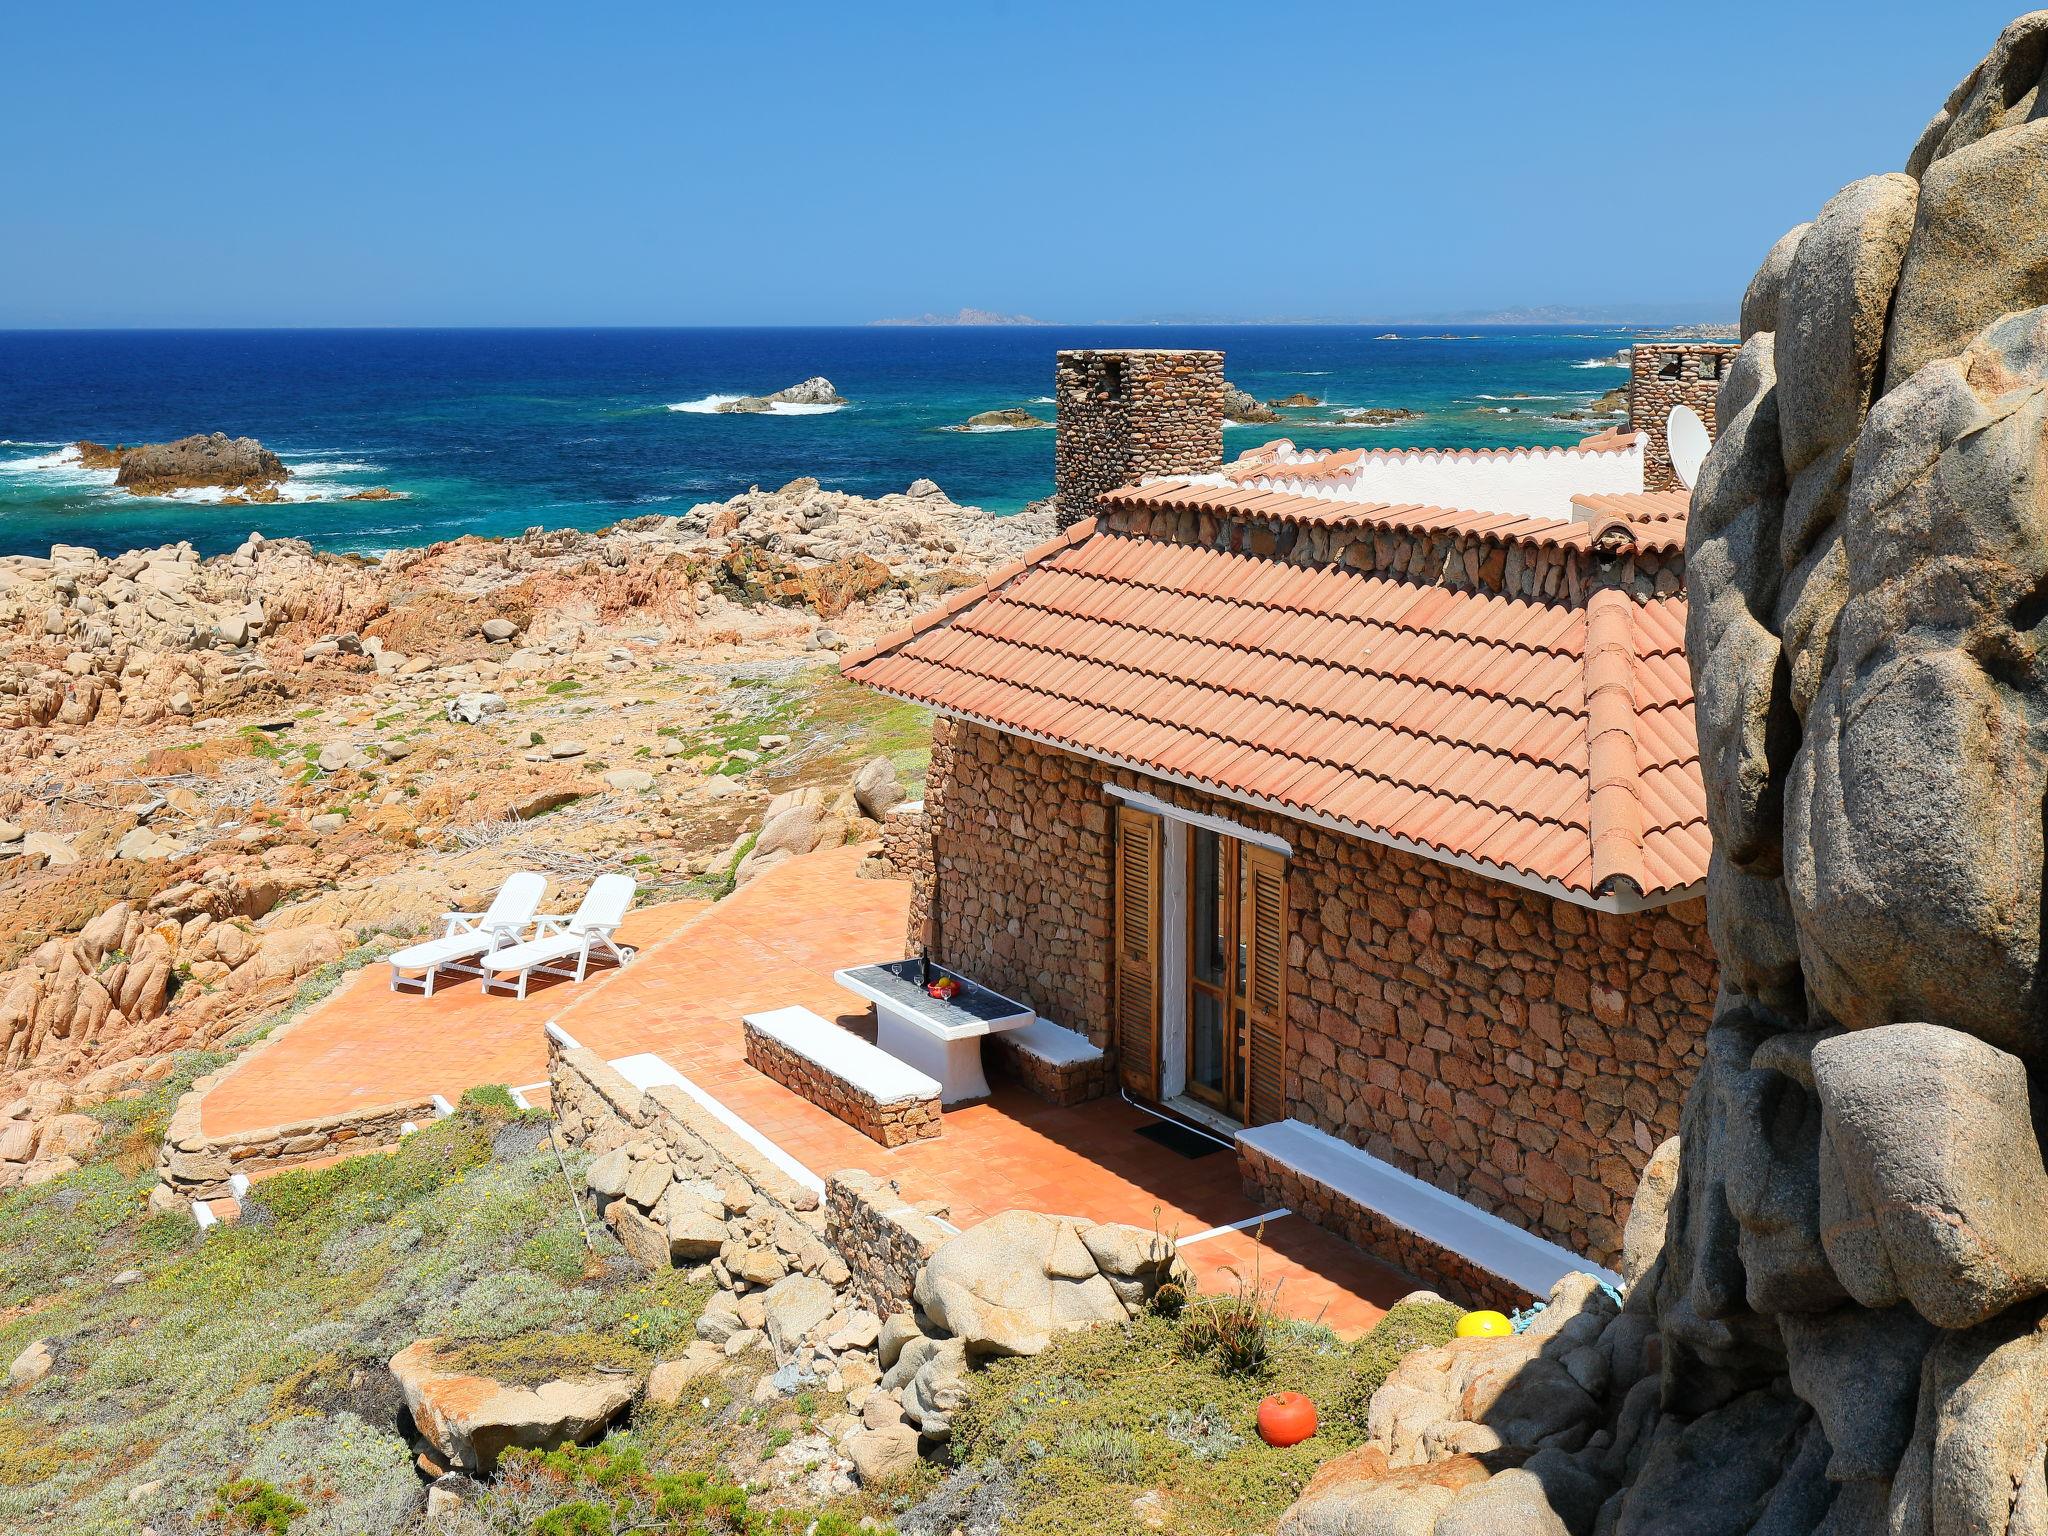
1286 1418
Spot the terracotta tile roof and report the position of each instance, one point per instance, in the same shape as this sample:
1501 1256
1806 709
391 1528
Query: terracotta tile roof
1546 740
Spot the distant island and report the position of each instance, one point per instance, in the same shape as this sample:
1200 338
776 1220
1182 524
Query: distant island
964 317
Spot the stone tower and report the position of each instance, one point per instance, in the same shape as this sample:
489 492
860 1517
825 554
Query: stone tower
1663 374
1127 412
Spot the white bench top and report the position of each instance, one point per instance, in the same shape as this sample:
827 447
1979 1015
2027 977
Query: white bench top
1054 1043
1496 1246
846 1056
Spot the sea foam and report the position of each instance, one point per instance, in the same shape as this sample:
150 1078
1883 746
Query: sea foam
709 406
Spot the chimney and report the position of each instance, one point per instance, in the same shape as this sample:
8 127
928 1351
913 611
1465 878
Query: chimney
1663 374
1128 412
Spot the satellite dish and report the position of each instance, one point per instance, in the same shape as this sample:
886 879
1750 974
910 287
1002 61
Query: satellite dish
1687 438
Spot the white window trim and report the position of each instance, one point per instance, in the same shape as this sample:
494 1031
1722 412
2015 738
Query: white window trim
1139 800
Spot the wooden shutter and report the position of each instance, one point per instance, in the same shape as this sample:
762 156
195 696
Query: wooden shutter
1139 849
1265 984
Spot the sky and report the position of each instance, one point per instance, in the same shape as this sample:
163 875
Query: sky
696 163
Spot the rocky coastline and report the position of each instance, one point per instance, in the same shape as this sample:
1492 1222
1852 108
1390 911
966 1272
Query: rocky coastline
219 776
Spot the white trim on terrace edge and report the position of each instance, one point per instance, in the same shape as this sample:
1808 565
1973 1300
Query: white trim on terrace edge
1621 902
1435 1215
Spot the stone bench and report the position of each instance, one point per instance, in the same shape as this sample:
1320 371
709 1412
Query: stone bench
843 1075
1062 1066
1471 1255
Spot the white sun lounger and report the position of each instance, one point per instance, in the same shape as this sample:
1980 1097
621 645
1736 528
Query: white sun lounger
467 935
561 939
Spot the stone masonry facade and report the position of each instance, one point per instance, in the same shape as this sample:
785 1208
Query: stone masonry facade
1125 413
892 1122
1525 1053
1663 374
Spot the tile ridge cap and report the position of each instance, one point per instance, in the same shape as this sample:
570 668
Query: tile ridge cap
1614 817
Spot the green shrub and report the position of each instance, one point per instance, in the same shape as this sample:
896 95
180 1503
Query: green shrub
490 1096
252 1505
602 1489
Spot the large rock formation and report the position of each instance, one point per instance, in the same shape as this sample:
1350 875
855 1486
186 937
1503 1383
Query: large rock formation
202 461
814 391
1849 1311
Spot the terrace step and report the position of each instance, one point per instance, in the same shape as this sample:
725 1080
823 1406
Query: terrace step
1472 1255
844 1075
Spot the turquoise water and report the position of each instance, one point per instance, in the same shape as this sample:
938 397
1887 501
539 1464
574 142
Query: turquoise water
496 431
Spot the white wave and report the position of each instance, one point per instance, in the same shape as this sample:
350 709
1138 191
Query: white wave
709 406
1600 362
294 490
22 442
318 467
1036 426
65 457
1572 396
1043 400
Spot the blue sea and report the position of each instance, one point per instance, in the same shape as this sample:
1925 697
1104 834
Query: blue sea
494 431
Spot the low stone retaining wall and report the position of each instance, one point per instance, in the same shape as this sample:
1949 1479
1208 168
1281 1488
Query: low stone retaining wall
893 1123
1061 1083
1457 1278
882 1237
598 1110
194 1166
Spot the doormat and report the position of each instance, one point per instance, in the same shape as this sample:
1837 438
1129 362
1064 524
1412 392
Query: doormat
1178 1138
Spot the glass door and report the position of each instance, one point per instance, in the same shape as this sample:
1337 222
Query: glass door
1237 931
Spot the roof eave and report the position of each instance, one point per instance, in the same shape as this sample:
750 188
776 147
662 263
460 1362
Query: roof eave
1620 896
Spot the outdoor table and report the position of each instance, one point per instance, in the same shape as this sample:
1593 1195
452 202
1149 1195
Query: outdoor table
941 1039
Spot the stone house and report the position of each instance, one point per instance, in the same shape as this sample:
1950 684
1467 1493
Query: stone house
1350 801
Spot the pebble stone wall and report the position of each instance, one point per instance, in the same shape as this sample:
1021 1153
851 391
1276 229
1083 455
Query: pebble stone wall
1125 413
1525 1053
1697 370
883 1238
893 1123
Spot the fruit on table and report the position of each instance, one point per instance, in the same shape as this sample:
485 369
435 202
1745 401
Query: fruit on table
1286 1418
1484 1325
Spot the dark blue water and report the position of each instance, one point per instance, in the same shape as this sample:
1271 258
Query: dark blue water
496 431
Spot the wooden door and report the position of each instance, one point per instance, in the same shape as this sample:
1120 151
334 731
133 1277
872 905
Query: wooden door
1140 838
1265 985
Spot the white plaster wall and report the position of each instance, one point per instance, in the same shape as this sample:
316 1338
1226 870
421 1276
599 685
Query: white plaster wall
1527 482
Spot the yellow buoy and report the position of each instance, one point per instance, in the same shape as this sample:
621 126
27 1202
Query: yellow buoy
1484 1325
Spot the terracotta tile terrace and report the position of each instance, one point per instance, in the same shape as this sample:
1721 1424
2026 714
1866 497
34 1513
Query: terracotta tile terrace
773 944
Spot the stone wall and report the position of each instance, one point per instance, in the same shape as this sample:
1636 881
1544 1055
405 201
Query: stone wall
882 1237
1021 887
1663 374
599 1111
194 1166
1526 1054
1064 1083
1125 413
893 1123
